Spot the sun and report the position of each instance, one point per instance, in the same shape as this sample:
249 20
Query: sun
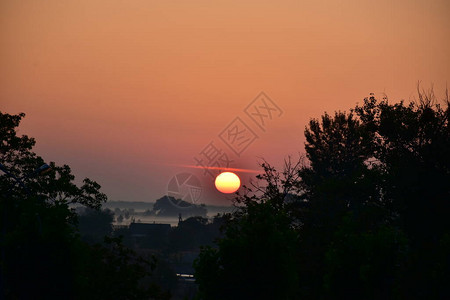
227 182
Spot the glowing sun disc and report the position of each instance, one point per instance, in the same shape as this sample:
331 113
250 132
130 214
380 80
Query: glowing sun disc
227 182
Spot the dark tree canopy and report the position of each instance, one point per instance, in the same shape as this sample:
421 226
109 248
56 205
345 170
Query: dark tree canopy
365 217
42 255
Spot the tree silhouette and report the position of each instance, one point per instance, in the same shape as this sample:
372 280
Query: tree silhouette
93 225
255 259
42 255
364 218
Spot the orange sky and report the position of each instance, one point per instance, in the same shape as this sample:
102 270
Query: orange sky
124 91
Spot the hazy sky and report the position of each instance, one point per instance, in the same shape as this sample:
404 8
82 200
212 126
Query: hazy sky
127 92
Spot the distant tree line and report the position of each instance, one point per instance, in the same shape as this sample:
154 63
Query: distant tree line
364 216
168 206
124 214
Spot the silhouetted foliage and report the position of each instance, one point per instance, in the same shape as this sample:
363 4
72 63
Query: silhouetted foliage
364 218
120 270
94 225
42 255
256 257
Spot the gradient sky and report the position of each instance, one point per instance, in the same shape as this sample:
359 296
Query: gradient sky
128 92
